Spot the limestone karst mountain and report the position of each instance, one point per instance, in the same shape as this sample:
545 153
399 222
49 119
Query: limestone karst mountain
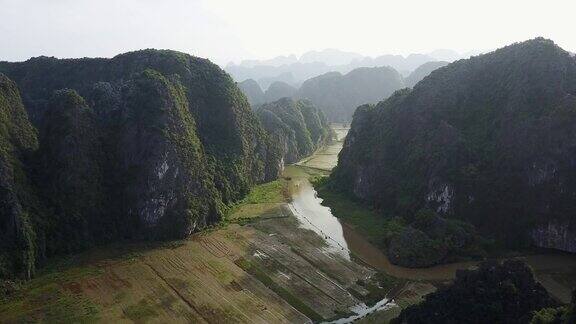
314 63
18 139
494 293
423 71
330 57
149 145
296 127
338 95
278 90
489 140
253 92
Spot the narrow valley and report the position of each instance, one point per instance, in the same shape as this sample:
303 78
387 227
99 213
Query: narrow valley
306 162
280 256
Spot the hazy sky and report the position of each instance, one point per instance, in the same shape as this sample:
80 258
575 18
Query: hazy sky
225 30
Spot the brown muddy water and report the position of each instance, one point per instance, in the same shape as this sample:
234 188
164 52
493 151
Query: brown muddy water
556 271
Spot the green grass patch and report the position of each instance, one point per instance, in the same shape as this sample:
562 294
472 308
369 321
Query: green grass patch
377 228
262 199
271 192
51 296
291 299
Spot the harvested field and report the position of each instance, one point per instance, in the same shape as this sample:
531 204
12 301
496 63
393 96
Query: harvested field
205 279
195 281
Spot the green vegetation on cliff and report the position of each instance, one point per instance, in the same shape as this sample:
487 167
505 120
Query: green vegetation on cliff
296 127
487 141
495 293
70 174
147 145
429 240
557 315
18 246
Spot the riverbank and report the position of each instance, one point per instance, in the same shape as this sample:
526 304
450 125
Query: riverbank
365 231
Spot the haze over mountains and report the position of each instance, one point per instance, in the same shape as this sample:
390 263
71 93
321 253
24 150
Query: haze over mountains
287 162
294 71
335 81
338 94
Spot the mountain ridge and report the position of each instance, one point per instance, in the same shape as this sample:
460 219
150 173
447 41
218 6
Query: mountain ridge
151 144
455 133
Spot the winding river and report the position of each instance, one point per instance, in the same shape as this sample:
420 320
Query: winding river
342 239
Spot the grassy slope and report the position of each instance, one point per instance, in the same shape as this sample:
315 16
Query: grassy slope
376 227
261 200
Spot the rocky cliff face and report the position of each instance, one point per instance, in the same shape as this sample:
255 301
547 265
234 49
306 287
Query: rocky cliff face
296 127
338 95
147 145
490 140
70 171
226 126
555 235
18 250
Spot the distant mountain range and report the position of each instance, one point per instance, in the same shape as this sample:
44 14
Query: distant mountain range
338 94
293 70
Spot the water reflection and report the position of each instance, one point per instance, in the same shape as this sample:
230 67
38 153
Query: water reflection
308 209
